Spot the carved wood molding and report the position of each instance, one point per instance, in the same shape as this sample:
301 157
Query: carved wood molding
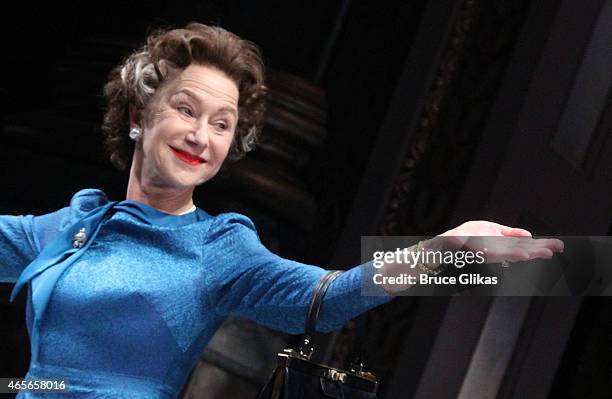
393 316
469 74
428 122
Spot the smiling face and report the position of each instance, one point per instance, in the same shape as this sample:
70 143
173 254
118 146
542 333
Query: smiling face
188 130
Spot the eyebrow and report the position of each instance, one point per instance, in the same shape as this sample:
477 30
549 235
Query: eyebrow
191 94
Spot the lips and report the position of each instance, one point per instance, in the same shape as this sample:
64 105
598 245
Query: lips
187 157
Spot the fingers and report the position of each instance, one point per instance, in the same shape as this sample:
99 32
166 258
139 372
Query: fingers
521 254
543 248
515 254
516 249
554 244
544 253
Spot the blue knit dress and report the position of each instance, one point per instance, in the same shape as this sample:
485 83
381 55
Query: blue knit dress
132 315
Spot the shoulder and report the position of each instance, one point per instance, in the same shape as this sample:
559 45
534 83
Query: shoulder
231 222
83 202
233 219
232 240
232 227
46 227
87 200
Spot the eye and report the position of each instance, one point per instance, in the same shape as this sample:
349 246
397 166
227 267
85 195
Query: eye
221 125
185 110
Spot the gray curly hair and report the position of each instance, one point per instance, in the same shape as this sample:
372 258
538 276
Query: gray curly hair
134 82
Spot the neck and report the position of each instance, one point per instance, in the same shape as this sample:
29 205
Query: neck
175 201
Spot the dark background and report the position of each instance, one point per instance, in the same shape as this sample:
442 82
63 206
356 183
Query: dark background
394 118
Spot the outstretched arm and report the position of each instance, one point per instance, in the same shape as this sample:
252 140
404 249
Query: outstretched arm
21 240
17 246
248 280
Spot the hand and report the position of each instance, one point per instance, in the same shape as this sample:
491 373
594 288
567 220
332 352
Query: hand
500 243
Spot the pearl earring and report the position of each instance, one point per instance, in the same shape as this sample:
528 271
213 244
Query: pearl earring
136 133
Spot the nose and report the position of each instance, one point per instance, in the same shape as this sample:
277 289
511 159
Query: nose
199 136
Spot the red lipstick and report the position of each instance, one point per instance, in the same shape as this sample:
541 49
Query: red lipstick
187 157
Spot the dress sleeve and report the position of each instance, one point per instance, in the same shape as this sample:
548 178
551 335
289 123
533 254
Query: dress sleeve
246 279
22 238
17 246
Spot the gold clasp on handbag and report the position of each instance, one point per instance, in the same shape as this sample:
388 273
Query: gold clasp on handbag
335 375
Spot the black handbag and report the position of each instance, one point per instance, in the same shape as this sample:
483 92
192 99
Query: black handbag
297 377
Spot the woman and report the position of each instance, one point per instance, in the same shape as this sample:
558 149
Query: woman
123 297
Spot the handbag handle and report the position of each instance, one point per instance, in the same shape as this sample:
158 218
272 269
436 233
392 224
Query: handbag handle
306 348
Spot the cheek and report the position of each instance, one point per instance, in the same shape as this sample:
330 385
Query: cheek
161 132
222 147
149 143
